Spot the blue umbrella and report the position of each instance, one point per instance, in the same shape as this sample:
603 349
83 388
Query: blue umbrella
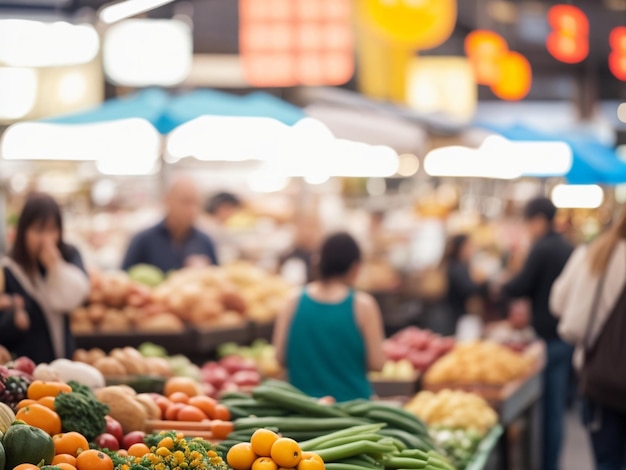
593 162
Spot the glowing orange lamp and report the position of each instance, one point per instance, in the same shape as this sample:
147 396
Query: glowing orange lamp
617 57
515 77
484 49
569 40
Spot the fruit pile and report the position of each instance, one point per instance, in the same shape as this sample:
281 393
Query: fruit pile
202 297
479 362
268 451
230 374
260 351
15 377
123 361
420 348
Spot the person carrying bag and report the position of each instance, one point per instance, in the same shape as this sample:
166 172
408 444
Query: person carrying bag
590 299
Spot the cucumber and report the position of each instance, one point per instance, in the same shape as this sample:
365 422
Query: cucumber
363 460
356 448
281 385
292 423
240 402
398 421
297 402
414 454
344 466
236 412
397 463
234 396
410 440
346 440
353 431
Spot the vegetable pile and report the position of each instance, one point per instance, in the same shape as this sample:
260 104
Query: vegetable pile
453 410
81 411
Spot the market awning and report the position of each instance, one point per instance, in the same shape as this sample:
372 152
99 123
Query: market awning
166 112
593 162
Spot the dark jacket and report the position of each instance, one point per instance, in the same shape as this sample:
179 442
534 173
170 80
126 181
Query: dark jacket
461 287
156 247
36 342
544 264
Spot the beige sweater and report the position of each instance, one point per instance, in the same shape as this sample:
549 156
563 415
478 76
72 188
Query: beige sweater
573 295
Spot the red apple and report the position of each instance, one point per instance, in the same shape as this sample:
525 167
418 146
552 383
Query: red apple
395 351
135 437
216 376
107 441
229 387
208 389
24 364
234 364
246 378
114 428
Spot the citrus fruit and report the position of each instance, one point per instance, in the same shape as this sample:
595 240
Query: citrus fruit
241 456
286 453
264 463
40 417
64 458
70 443
94 460
138 450
262 441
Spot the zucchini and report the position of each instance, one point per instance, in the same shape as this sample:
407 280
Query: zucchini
297 402
344 466
234 396
404 462
346 440
292 423
353 431
410 440
356 448
398 421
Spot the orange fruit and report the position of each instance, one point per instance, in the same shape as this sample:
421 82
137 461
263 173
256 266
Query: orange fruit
181 384
312 456
190 413
241 456
39 389
286 453
179 397
262 441
48 402
40 417
206 404
70 443
221 412
311 463
171 414
94 460
221 429
25 403
138 450
264 463
64 458
65 466
26 466
123 452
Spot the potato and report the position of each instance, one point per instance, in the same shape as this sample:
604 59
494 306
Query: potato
162 323
114 322
81 355
132 365
158 366
109 367
96 313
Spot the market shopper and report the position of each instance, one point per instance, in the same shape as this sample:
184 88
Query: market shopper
218 211
330 336
547 257
590 299
46 279
174 242
461 286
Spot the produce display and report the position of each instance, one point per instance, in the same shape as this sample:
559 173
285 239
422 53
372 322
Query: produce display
231 373
459 445
454 410
126 361
421 348
267 449
145 301
479 362
261 352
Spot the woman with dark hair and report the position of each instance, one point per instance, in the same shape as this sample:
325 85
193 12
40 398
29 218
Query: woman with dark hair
330 336
461 285
46 278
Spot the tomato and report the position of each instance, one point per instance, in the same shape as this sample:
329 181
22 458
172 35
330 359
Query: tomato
221 412
172 412
190 413
221 429
206 404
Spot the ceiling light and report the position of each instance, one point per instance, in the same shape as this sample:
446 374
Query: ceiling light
408 165
129 8
18 92
621 112
571 196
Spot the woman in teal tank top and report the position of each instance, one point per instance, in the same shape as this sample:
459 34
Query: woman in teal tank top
331 336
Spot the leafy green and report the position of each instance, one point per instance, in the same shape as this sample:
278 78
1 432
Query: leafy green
81 411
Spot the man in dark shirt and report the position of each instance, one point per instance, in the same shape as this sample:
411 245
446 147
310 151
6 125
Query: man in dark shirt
174 242
547 257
